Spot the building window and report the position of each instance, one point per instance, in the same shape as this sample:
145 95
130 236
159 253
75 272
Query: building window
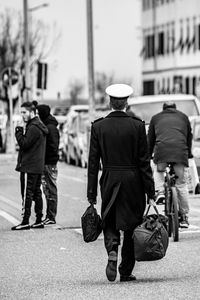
148 87
168 86
173 38
194 39
160 43
150 46
158 87
187 85
194 81
167 39
199 36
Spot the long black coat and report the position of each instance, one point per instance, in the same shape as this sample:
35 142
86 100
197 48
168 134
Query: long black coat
32 146
120 142
170 137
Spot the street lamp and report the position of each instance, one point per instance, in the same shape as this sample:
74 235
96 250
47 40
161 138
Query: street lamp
38 7
27 44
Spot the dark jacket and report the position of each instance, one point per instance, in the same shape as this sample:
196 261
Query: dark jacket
31 147
120 142
52 143
170 137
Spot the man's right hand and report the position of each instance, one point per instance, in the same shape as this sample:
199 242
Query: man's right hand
92 201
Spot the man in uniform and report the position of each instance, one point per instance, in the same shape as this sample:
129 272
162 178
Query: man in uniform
119 141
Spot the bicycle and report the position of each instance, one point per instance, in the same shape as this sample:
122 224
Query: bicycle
171 203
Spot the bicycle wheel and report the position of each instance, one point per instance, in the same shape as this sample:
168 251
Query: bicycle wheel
167 209
174 215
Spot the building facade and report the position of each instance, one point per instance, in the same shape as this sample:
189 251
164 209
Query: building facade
171 46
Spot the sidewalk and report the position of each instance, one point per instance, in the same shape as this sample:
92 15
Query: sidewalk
8 156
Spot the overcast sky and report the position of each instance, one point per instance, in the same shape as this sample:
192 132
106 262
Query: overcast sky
117 39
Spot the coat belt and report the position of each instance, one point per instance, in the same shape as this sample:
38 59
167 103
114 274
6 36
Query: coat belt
119 167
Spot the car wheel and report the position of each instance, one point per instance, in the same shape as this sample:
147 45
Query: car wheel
197 189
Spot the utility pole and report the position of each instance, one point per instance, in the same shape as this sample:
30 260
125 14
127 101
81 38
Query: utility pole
90 59
26 48
12 141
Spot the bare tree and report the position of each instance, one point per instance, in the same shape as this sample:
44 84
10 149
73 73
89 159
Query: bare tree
12 53
102 80
75 89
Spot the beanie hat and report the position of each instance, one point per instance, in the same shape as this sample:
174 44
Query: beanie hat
43 111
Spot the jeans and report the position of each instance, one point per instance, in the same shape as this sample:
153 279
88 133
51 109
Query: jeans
30 190
181 184
49 185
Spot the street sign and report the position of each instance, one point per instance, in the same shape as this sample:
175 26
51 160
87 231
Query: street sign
9 75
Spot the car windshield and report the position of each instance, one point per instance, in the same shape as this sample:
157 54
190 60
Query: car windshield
145 111
196 133
83 122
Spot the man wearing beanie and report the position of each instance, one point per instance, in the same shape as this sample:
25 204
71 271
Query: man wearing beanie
49 178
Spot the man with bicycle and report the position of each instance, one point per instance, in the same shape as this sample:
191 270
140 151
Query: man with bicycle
170 139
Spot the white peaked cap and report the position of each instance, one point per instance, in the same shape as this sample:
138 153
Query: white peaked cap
119 90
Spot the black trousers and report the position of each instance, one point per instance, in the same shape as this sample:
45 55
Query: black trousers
31 191
112 241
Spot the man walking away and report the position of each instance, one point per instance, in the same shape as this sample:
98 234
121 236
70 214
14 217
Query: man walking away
120 142
49 178
31 138
170 139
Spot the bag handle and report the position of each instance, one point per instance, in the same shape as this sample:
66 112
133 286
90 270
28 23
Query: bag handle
152 203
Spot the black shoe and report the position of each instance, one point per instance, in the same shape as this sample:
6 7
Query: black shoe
124 278
37 224
22 226
111 268
48 221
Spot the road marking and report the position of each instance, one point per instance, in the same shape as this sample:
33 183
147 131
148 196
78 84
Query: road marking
189 231
195 210
9 218
10 202
79 231
73 178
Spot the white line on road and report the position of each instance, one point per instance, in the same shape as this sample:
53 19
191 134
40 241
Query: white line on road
9 218
72 178
195 210
10 202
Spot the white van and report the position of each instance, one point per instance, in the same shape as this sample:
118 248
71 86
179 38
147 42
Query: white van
146 106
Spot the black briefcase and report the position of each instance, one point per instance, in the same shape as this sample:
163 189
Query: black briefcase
91 224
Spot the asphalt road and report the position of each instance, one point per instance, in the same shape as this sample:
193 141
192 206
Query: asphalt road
55 263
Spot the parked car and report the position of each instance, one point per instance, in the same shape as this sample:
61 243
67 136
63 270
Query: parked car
76 134
75 139
146 106
3 131
60 113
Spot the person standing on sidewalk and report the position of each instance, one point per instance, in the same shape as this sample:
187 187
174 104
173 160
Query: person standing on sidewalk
120 142
31 138
49 178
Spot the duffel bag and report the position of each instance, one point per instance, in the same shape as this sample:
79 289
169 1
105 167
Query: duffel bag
151 238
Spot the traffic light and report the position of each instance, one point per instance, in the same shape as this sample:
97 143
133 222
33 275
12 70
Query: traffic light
42 76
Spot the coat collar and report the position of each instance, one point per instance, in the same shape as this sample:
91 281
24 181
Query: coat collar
117 113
